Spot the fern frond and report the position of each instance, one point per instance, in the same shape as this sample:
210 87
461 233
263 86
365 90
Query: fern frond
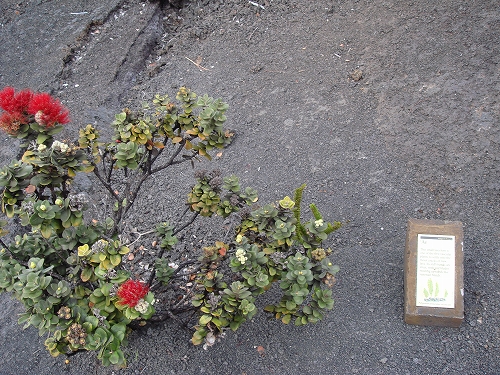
315 211
332 228
301 231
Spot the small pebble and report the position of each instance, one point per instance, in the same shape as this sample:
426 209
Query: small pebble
357 75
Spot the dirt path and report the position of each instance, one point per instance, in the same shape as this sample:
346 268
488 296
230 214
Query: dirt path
386 109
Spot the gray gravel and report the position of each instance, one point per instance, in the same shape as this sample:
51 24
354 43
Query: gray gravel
415 136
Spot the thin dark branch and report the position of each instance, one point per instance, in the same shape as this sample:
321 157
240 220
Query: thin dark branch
149 163
172 158
6 247
181 266
13 256
136 190
110 171
196 269
193 218
161 150
184 212
183 299
105 183
189 158
63 259
72 353
56 276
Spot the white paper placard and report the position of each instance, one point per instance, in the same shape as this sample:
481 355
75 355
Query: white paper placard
436 271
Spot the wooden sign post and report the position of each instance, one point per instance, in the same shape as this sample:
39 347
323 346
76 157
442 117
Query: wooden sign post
434 288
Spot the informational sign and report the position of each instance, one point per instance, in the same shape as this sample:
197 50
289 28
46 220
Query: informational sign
435 271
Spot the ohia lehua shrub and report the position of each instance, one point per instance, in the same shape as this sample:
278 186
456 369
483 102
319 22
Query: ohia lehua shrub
73 273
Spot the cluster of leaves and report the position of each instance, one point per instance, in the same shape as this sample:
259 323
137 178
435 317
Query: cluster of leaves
69 271
65 283
177 132
272 244
213 194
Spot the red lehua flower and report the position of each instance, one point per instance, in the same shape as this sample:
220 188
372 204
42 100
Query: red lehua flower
10 122
47 110
12 102
131 292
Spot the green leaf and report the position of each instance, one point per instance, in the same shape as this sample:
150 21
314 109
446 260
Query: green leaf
86 274
84 250
101 335
290 305
114 358
9 211
316 314
56 129
65 215
24 319
119 330
287 203
217 322
312 319
269 308
307 310
41 138
115 259
106 264
46 231
286 318
196 302
235 325
205 309
120 117
205 319
35 220
93 321
198 337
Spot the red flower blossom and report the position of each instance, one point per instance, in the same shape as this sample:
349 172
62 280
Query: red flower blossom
15 103
47 110
131 292
11 122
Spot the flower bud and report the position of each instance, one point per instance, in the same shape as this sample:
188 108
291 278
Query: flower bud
39 118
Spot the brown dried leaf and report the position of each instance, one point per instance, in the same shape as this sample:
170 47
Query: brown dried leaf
30 189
